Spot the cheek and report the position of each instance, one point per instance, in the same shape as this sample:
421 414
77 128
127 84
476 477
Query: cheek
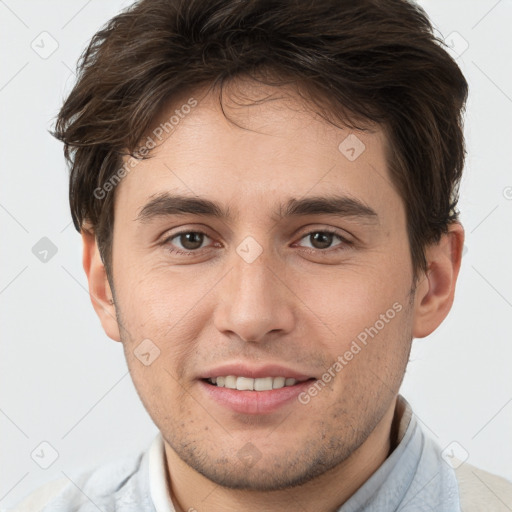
156 299
353 299
162 314
157 386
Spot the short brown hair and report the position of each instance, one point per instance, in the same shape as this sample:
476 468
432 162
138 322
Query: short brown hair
370 61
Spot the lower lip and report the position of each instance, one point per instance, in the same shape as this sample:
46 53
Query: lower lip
254 402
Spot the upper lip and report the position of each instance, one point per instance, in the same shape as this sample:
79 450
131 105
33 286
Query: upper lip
254 372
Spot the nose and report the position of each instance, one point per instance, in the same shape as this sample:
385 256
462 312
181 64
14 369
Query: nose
254 301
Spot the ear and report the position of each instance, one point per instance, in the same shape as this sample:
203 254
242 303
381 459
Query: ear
435 293
99 287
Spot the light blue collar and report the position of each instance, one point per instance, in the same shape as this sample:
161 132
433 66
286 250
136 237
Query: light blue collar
414 478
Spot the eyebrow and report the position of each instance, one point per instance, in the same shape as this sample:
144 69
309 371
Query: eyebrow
166 204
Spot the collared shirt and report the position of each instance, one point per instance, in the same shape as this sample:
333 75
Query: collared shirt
414 478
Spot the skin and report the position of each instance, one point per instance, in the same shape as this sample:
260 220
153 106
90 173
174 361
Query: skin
298 304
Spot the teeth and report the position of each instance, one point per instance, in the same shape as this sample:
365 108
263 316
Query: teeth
278 382
248 384
243 384
230 382
264 384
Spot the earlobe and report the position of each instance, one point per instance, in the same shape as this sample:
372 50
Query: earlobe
99 288
436 290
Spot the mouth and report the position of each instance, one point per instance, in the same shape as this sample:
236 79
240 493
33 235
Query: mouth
245 388
255 392
242 383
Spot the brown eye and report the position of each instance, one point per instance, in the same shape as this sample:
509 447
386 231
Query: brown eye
322 240
186 241
191 241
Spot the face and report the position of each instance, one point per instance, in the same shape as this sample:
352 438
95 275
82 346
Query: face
296 271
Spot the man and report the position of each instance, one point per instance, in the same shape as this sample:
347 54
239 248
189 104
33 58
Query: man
266 193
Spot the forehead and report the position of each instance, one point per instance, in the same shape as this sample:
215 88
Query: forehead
267 151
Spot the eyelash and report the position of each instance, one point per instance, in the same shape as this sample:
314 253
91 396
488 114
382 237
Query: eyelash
344 241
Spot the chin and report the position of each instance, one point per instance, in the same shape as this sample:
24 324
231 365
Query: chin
275 473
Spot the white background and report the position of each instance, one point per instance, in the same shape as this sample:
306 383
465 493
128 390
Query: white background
64 382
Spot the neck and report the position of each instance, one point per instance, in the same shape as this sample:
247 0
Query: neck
327 492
